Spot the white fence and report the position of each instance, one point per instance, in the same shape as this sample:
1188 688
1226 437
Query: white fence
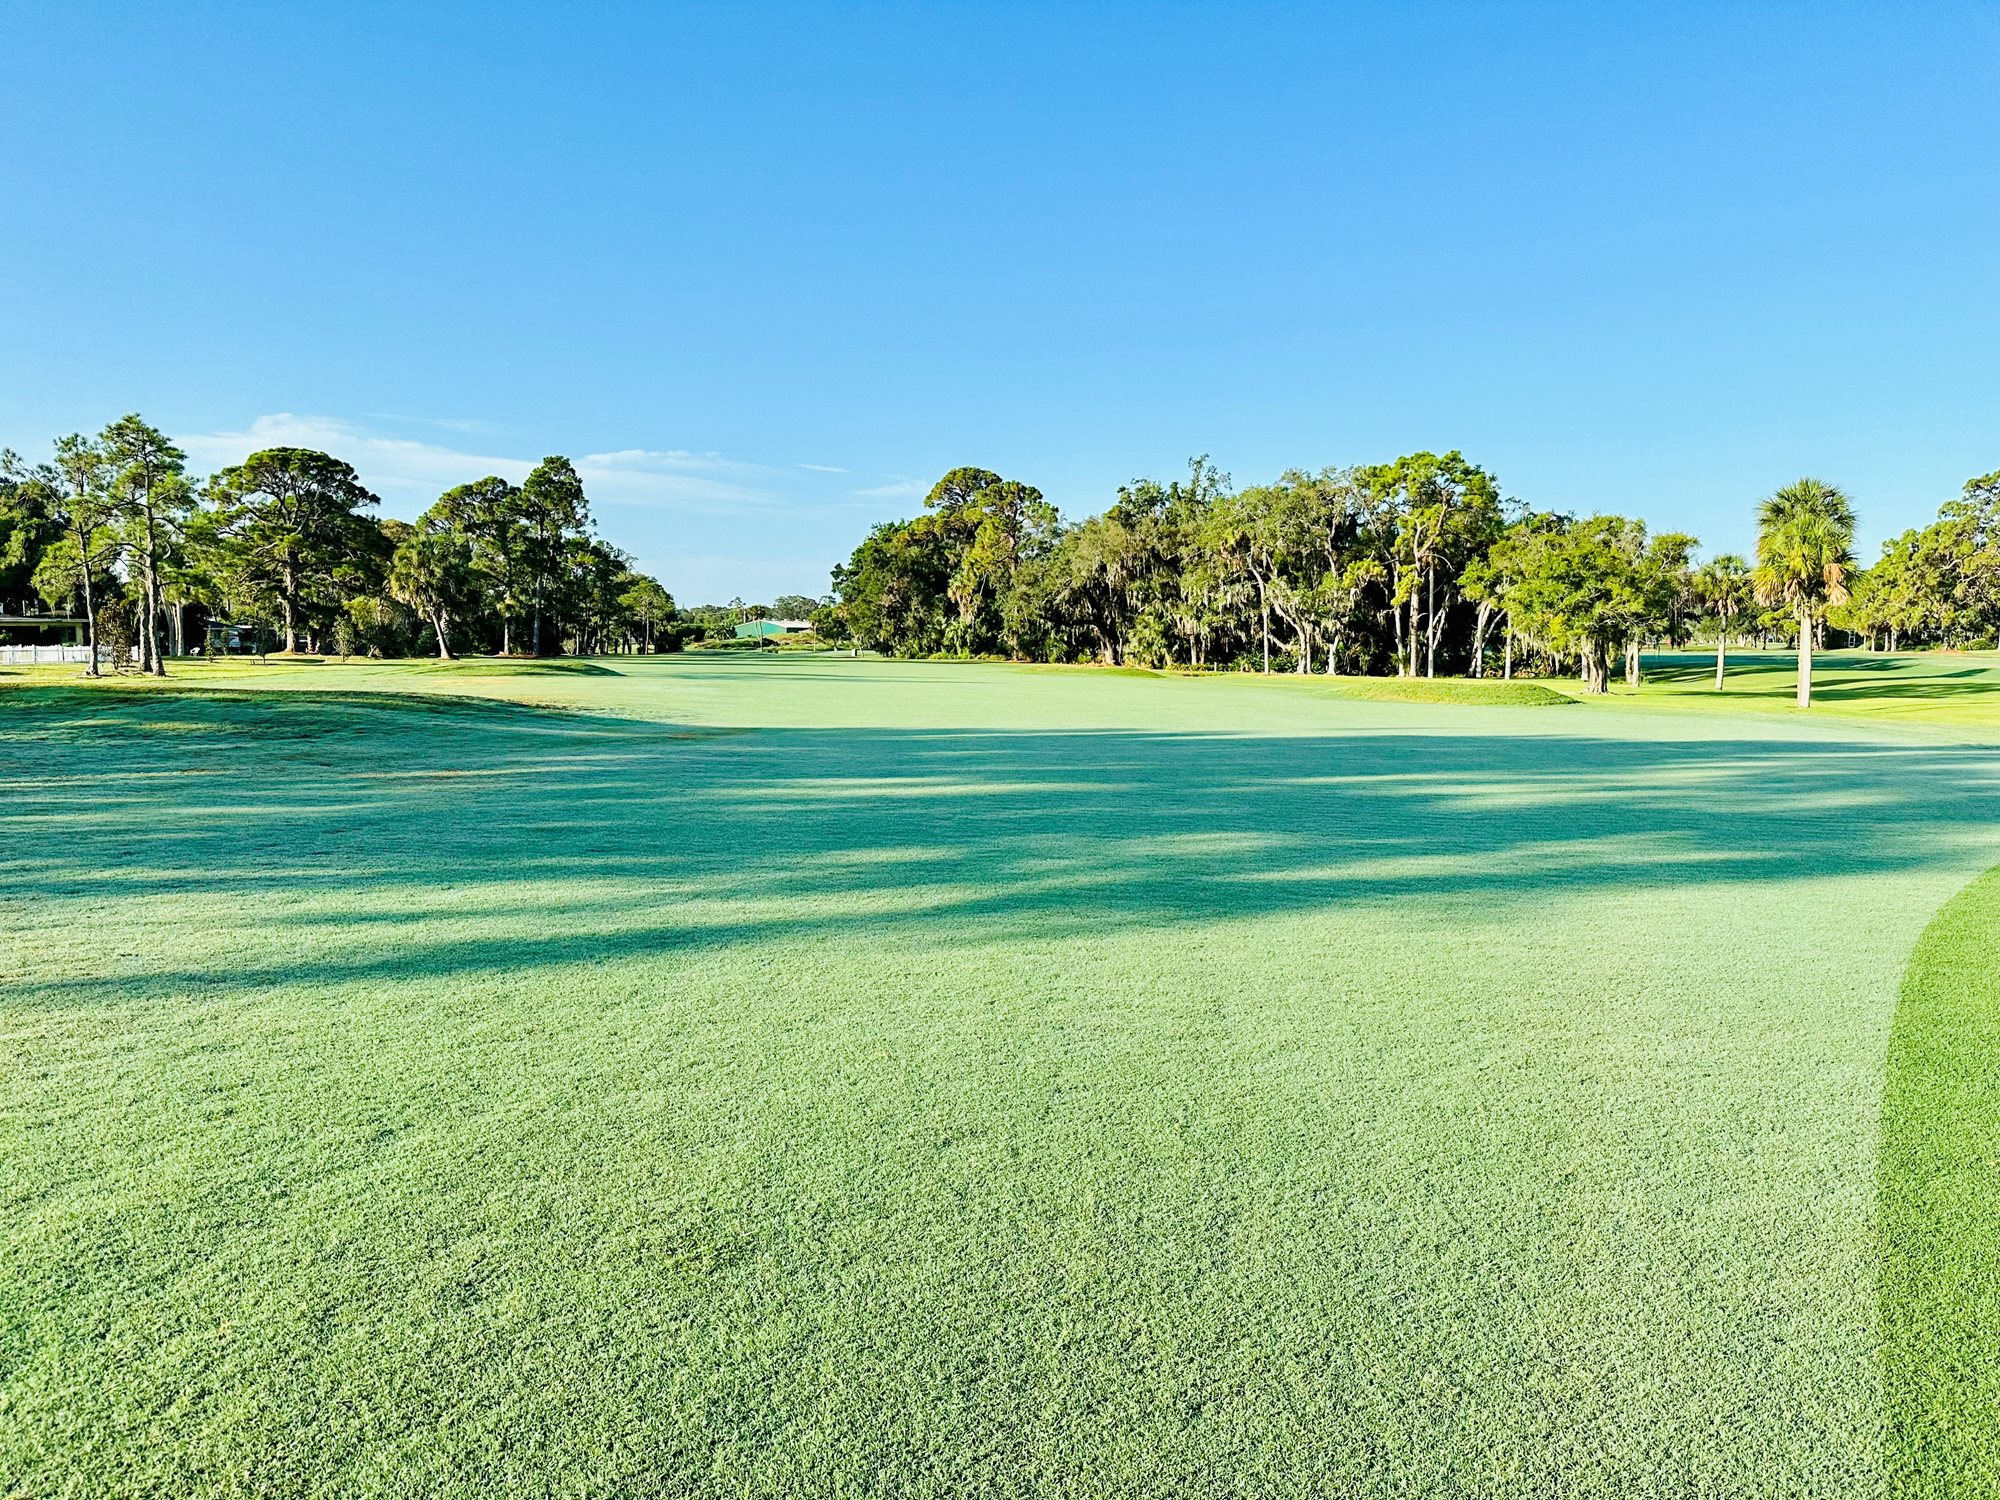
28 656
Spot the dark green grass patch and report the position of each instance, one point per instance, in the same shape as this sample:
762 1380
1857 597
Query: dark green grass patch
176 710
1940 1208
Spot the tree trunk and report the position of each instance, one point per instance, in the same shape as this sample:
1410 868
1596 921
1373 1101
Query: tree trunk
1596 668
150 646
1632 662
1413 632
1805 659
1264 613
1721 658
1431 619
1507 672
1481 626
89 601
1333 653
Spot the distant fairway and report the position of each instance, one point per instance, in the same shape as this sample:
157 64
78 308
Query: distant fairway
808 1076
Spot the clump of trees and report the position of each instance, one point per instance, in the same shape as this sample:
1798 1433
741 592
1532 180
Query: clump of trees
715 624
114 528
1418 567
1938 585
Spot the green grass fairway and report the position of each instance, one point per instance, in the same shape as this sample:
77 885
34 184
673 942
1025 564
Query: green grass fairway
811 1076
1944 691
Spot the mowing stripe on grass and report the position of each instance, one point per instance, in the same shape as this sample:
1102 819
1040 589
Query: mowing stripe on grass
1939 1207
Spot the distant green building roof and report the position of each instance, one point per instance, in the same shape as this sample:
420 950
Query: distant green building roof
763 630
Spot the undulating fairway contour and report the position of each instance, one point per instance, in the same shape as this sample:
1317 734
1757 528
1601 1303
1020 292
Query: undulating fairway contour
821 1076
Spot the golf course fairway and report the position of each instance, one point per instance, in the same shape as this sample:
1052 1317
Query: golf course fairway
757 1075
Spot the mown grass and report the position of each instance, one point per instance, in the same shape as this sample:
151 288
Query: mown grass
1940 1208
845 1077
506 666
1460 690
1935 690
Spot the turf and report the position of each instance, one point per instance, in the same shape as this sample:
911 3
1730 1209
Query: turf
818 1076
1951 691
1940 1207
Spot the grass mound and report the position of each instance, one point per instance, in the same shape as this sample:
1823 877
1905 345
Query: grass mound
1371 689
75 712
1939 1206
1446 690
507 666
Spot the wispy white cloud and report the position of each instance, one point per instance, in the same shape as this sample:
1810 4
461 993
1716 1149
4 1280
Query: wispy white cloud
708 526
671 480
893 491
410 474
664 459
446 424
823 468
384 463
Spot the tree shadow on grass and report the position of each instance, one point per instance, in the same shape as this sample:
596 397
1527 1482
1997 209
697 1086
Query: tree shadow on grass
1881 676
569 839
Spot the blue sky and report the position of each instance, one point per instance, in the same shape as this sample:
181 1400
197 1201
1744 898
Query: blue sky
766 271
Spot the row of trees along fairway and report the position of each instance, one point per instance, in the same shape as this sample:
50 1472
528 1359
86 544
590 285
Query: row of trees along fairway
1416 567
114 527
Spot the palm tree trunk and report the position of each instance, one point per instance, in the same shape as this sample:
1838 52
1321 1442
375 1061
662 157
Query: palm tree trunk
1805 659
1721 658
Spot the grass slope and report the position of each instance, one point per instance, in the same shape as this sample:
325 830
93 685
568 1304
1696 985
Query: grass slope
843 1077
1940 1207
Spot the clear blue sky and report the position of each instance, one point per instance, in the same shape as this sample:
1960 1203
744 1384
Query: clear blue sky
772 269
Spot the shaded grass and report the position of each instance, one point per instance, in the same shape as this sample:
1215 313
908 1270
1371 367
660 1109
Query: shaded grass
958 1079
1940 1208
247 714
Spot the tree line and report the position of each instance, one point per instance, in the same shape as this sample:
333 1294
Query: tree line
1413 568
114 527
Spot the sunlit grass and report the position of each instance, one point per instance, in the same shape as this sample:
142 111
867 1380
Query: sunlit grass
1940 1196
833 1076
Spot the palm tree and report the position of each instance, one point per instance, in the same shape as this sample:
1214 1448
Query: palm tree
1805 552
1722 584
